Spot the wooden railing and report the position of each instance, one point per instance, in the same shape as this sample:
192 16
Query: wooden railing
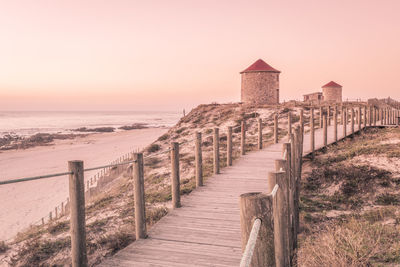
276 213
277 210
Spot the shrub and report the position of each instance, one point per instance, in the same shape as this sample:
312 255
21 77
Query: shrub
153 148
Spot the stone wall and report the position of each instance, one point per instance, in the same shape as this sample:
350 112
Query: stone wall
332 94
260 88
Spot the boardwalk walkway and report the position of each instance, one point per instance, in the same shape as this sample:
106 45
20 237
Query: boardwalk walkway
206 230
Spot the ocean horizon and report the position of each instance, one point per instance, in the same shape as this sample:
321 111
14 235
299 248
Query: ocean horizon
27 123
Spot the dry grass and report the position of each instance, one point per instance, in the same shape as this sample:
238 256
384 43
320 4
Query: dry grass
353 243
348 214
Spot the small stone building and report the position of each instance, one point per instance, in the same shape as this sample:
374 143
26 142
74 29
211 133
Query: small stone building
332 92
313 97
260 84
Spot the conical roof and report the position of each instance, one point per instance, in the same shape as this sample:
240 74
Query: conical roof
332 84
260 66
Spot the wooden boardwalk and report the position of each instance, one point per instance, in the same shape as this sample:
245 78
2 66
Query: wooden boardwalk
206 230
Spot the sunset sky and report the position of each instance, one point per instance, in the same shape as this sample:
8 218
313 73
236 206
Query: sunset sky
170 55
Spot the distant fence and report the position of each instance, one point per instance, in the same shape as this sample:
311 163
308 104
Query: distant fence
277 211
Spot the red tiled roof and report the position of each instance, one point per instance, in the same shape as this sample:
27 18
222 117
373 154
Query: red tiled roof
332 84
259 66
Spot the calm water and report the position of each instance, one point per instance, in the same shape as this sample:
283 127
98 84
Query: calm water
31 122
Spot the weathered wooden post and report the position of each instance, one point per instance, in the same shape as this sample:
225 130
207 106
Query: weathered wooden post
260 143
325 130
345 123
297 169
243 138
352 120
77 208
283 183
258 206
138 180
365 116
50 216
287 148
382 116
370 116
359 118
289 123
312 132
175 183
281 242
328 114
229 147
199 158
321 112
216 150
342 118
276 128
335 126
302 119
375 116
55 213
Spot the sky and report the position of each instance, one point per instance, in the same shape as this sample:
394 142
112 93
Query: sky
175 54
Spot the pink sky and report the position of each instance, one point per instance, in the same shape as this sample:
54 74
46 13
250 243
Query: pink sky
130 55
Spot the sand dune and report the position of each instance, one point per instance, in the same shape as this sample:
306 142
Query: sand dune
24 203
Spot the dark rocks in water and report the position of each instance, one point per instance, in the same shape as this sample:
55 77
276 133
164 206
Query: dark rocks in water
134 126
97 130
9 142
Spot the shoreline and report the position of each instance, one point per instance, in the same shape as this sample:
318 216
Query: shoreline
25 203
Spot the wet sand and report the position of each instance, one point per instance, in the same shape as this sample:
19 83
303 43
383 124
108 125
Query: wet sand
27 202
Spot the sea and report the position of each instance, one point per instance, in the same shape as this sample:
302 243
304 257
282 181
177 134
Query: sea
27 123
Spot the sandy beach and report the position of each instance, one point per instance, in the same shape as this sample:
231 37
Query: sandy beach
24 203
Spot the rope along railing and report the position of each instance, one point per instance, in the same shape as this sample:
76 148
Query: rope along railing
251 244
292 158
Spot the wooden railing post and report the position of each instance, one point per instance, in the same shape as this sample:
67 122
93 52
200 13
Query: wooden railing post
329 115
283 182
175 180
335 136
77 208
216 150
229 147
243 138
321 112
312 132
342 118
297 158
302 119
370 116
365 116
352 120
292 185
199 159
289 123
253 206
260 141
375 115
280 215
325 130
359 118
275 128
344 122
140 212
381 115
